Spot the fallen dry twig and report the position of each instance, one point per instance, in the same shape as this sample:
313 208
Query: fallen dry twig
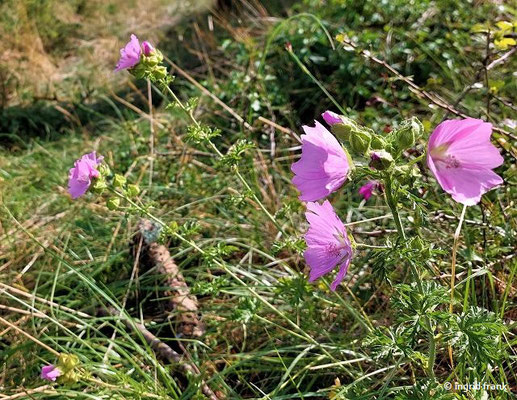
161 349
182 301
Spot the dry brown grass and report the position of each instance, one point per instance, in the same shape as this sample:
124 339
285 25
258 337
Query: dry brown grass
50 44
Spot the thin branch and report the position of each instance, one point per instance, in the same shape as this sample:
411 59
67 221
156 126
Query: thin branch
161 349
433 98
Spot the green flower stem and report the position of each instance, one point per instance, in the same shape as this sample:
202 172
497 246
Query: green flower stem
392 203
432 351
416 160
218 152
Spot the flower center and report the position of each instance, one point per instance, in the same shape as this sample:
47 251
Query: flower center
335 249
451 162
440 155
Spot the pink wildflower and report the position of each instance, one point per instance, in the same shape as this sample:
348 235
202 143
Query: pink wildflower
328 243
147 48
367 189
331 118
130 54
461 157
50 372
323 167
80 176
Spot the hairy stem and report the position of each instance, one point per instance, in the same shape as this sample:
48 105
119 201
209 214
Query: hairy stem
220 155
392 203
453 269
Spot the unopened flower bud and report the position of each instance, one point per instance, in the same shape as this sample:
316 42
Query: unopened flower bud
407 134
406 173
380 160
344 128
69 377
417 244
139 71
132 190
159 73
67 362
155 58
360 141
147 48
331 118
103 169
113 203
378 142
99 185
119 181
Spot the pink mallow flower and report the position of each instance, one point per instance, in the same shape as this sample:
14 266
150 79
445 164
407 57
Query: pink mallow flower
461 157
367 189
80 176
328 243
50 372
130 54
147 48
331 118
323 167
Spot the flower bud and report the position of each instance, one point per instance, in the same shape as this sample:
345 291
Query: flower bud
331 118
407 134
67 362
113 203
378 142
380 160
69 378
416 243
119 181
139 70
103 169
159 73
360 141
406 173
147 48
132 190
153 59
344 128
99 185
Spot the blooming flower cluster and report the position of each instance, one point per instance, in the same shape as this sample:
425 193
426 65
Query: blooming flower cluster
142 60
459 154
322 169
131 53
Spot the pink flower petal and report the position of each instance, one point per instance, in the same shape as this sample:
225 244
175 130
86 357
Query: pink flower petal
50 372
461 157
130 54
323 167
328 245
331 118
367 189
80 176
